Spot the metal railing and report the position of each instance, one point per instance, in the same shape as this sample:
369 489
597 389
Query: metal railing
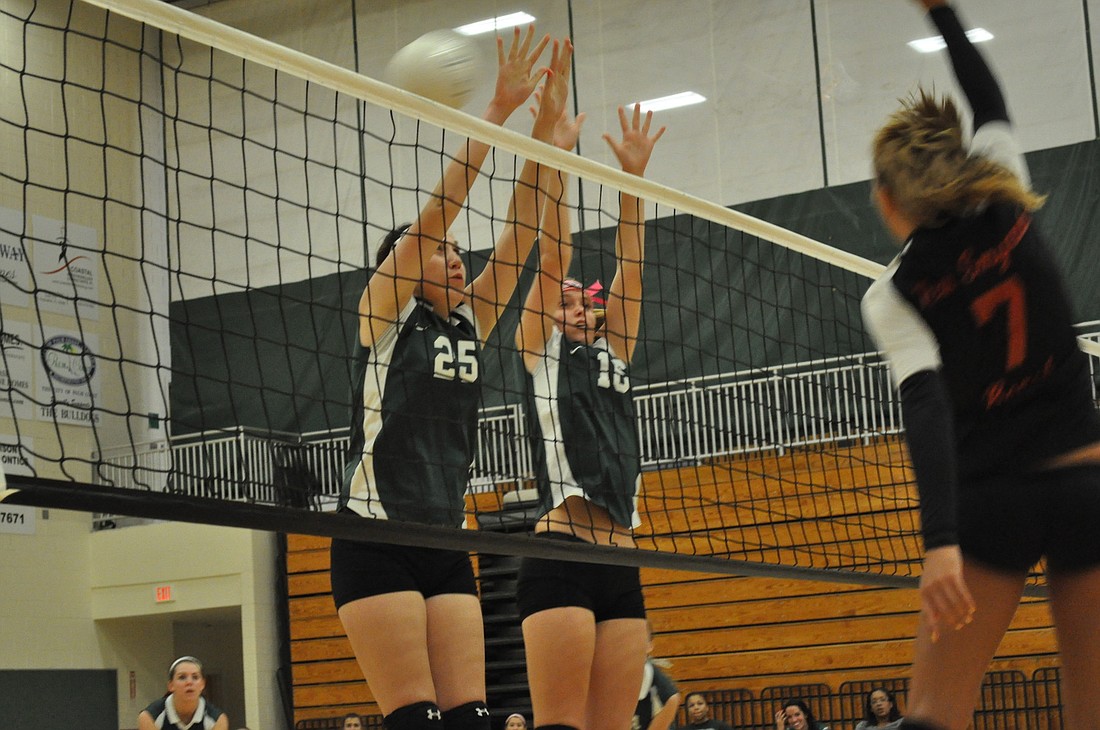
1094 360
840 399
775 408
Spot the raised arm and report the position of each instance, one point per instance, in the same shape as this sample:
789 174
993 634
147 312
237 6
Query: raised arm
624 298
912 350
490 291
555 252
972 72
396 278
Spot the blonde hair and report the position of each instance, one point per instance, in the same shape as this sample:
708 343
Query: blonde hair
920 157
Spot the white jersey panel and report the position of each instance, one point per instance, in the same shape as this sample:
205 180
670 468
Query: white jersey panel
898 328
545 382
996 142
363 497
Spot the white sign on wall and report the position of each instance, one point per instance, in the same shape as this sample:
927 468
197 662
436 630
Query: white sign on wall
17 520
17 356
17 458
69 377
15 265
66 268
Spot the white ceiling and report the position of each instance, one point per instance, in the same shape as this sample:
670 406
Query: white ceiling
760 133
765 130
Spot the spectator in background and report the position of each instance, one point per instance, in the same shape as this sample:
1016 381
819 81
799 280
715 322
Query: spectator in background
879 710
352 722
184 707
797 715
515 721
698 714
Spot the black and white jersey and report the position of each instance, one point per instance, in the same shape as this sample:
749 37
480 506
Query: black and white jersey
414 427
980 299
585 438
657 689
165 716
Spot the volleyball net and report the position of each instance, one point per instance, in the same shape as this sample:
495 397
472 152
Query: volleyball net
187 224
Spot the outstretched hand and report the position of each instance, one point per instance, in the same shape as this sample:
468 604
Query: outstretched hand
636 145
945 599
929 4
566 131
516 73
555 90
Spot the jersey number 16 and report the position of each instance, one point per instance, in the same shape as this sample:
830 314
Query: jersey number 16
612 373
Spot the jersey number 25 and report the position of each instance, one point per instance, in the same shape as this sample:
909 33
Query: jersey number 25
449 366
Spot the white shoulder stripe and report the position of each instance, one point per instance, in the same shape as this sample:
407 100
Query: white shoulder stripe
898 329
996 141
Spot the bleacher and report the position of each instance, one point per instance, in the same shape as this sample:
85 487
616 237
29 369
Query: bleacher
1010 701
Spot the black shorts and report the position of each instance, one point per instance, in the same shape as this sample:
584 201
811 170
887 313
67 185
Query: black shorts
608 591
363 569
1009 522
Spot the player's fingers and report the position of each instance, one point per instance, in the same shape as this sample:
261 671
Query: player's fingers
567 55
526 40
962 605
612 142
534 56
544 71
512 50
555 51
932 619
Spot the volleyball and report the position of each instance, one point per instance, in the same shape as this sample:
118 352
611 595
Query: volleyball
441 65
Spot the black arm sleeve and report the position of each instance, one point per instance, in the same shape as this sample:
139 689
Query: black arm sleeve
971 71
930 433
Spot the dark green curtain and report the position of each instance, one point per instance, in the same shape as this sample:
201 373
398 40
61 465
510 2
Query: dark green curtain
275 358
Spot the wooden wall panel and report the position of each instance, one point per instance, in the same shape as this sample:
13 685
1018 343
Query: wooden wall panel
721 631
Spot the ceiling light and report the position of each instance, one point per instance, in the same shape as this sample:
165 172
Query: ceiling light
684 98
490 25
936 42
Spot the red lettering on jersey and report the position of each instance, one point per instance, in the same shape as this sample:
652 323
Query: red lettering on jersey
933 290
1001 391
971 265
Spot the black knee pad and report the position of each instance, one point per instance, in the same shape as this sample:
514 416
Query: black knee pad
470 716
417 716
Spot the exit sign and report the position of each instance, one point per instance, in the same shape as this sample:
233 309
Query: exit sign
164 594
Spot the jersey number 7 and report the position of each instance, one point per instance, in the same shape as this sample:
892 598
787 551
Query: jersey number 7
1010 295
